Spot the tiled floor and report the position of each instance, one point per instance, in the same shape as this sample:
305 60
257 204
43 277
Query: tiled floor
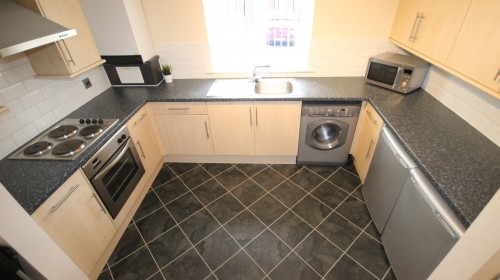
251 221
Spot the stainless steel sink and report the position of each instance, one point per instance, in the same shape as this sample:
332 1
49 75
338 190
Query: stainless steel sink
274 86
244 87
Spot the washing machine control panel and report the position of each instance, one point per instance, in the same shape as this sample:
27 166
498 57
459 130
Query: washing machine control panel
331 111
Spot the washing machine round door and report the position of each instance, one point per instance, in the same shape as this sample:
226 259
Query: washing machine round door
326 134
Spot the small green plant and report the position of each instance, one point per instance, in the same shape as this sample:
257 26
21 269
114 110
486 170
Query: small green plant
166 69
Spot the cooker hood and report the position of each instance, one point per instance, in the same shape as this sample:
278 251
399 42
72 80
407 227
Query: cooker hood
22 29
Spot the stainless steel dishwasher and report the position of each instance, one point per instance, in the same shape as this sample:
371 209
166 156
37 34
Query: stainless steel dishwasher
421 229
389 169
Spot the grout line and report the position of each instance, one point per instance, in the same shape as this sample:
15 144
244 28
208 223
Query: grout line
150 253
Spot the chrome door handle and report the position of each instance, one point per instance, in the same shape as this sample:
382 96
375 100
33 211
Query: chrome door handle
418 25
496 76
374 121
206 129
140 147
413 27
58 204
369 148
178 109
107 168
256 117
250 108
99 202
140 120
69 53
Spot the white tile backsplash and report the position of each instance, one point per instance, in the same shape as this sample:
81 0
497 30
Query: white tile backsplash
36 104
478 108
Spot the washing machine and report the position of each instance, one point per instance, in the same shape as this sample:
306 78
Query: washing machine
326 132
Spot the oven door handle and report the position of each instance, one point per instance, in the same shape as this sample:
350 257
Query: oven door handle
113 163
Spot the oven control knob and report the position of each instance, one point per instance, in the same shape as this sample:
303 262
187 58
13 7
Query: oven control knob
120 140
87 121
100 121
81 121
123 136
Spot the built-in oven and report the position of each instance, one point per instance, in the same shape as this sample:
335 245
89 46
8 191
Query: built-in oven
115 170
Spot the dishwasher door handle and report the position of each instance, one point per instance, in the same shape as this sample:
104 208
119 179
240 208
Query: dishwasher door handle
397 149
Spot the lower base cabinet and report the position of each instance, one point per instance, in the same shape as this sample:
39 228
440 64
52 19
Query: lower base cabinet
75 218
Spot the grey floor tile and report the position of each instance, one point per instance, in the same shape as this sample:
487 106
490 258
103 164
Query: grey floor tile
155 224
370 254
231 178
183 207
288 193
199 226
251 169
171 190
373 231
390 275
217 248
156 276
195 177
164 175
216 168
345 180
211 277
244 227
293 268
312 210
306 179
291 229
181 168
286 170
248 192
225 208
268 178
130 241
267 250
318 252
209 191
358 194
239 267
355 211
323 171
329 194
139 265
150 204
189 266
268 209
350 166
105 275
338 230
169 246
346 268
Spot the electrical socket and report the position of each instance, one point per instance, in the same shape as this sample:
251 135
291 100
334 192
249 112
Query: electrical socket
86 83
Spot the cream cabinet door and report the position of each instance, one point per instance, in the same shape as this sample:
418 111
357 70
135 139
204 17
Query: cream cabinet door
476 52
277 127
185 134
142 132
407 16
77 221
232 125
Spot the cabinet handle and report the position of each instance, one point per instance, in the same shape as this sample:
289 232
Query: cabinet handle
369 149
140 147
178 109
99 202
140 120
69 53
206 129
413 27
71 190
256 117
374 121
250 108
418 25
496 76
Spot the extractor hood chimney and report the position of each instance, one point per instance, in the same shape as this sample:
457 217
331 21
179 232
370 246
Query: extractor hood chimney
22 29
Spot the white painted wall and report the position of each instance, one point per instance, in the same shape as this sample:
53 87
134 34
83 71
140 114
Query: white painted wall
36 104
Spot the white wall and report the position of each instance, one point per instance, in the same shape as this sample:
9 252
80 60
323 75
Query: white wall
36 104
479 109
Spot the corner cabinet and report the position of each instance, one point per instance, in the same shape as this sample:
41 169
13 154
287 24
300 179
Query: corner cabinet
142 132
184 128
369 132
69 57
75 218
255 128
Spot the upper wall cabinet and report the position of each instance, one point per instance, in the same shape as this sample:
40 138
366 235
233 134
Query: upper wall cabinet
429 27
476 52
66 58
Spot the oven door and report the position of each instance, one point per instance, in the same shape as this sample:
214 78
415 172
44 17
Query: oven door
118 178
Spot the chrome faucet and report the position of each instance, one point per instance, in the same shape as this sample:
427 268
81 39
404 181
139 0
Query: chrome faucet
256 78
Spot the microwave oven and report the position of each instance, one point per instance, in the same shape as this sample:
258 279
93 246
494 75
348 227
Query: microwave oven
402 73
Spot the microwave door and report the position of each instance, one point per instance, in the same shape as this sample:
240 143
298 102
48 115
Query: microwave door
382 74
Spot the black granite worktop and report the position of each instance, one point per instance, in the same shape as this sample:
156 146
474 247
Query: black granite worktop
462 163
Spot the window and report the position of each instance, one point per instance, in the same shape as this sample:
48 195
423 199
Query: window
246 33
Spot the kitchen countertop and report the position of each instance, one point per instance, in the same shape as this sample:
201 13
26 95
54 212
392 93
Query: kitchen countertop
462 163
